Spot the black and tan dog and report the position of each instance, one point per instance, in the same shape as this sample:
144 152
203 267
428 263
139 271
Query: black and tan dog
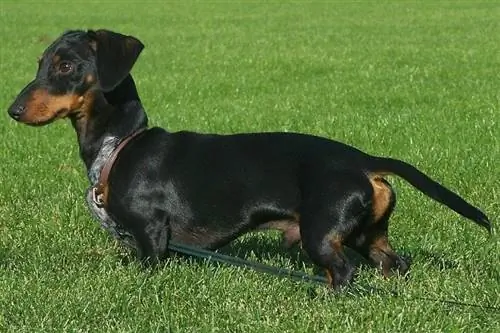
152 185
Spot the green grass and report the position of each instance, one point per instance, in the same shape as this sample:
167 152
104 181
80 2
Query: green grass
416 81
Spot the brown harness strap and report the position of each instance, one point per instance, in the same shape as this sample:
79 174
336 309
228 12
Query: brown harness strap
100 190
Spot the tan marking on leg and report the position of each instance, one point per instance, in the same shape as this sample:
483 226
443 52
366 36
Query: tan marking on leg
336 243
329 277
290 229
380 248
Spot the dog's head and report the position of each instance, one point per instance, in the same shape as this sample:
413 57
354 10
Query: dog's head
71 71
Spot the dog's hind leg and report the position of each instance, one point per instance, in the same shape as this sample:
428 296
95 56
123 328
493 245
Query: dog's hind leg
331 210
372 241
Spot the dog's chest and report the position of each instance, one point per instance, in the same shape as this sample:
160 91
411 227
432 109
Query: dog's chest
99 212
108 223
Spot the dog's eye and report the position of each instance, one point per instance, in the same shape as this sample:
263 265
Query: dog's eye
65 67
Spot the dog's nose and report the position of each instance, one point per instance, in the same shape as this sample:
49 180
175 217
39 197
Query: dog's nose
15 111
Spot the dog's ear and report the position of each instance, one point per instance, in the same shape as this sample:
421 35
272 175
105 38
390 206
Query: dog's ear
115 56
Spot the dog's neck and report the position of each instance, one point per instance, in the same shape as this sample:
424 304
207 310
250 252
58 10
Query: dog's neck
113 116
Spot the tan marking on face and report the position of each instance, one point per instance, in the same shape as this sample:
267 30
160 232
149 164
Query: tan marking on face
55 59
82 115
43 107
382 196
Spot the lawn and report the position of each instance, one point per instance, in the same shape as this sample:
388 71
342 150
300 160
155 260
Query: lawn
415 81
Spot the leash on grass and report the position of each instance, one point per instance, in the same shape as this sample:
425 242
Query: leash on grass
300 276
238 262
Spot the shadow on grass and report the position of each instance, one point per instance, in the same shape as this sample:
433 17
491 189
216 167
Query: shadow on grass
256 247
437 260
264 248
261 249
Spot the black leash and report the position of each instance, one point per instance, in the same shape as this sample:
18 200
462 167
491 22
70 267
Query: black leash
239 262
300 276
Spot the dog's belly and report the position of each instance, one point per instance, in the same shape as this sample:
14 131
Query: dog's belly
211 228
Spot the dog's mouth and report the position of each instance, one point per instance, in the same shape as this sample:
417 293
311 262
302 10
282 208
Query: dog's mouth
43 108
39 122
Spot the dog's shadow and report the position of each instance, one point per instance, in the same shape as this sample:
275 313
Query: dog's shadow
262 248
259 248
267 248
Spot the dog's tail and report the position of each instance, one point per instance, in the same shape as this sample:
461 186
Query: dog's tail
431 188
